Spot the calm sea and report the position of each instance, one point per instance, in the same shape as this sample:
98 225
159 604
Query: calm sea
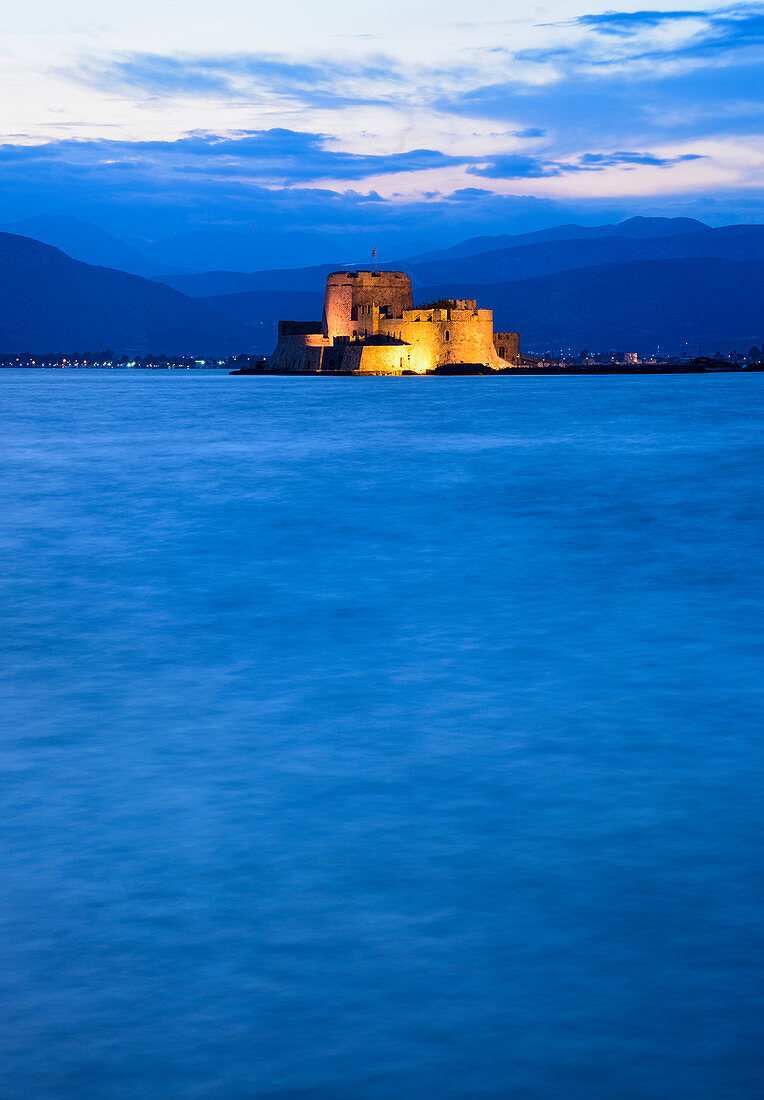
383 738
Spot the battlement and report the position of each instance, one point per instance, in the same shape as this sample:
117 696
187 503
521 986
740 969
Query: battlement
368 278
462 310
507 346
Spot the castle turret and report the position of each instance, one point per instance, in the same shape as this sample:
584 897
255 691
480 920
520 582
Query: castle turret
356 300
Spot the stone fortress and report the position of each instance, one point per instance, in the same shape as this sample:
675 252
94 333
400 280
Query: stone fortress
370 326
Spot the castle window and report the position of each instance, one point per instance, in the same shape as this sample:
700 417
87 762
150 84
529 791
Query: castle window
501 352
448 335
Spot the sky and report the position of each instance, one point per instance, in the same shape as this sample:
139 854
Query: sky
426 119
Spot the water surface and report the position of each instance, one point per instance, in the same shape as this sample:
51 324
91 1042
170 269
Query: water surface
380 737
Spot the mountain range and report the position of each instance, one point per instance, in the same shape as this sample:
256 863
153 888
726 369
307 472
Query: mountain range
196 250
676 306
86 242
50 302
646 282
524 259
639 228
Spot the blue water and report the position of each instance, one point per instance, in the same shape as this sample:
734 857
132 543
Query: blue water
380 738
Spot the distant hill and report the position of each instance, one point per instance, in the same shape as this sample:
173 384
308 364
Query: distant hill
262 310
247 250
203 249
638 228
633 306
521 261
86 242
732 242
307 280
194 251
50 302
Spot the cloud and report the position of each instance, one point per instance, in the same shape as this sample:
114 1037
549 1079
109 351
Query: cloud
132 202
602 41
514 167
145 197
275 155
594 161
633 22
537 109
608 79
726 27
519 167
318 83
290 158
650 44
470 194
643 93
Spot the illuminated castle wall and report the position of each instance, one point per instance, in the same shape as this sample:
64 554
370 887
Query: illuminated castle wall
370 326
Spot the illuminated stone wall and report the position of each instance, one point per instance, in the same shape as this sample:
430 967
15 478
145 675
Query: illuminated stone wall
447 335
376 358
354 299
507 346
299 352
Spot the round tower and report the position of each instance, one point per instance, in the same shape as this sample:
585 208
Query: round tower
355 300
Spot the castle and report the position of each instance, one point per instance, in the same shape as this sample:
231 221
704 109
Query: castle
370 326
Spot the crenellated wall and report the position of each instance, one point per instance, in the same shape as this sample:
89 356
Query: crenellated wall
446 335
507 346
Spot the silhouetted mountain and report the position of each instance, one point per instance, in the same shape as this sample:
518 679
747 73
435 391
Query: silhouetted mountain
250 251
202 249
262 310
214 249
49 301
632 306
732 242
521 261
301 279
639 228
85 242
254 250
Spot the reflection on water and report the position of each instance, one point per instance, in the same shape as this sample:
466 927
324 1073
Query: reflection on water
380 738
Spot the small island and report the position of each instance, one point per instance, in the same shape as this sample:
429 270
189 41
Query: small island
371 326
